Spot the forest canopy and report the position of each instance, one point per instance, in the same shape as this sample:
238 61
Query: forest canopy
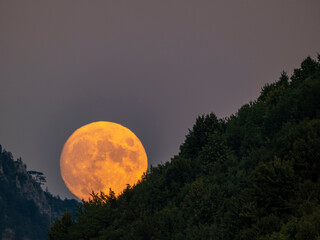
254 175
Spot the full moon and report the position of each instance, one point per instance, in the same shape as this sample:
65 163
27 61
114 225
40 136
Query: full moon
100 156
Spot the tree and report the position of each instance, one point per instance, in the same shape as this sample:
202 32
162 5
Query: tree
61 228
198 137
38 177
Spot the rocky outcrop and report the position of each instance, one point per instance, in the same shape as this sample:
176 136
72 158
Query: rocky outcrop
23 201
32 190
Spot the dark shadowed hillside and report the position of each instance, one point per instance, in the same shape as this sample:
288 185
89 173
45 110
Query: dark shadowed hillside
254 175
26 211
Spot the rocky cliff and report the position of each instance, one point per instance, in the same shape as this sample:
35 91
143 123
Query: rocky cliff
26 210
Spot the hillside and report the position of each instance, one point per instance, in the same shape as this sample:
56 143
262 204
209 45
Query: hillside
254 175
26 211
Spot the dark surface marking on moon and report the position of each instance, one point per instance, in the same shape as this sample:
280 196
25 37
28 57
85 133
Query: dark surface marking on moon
117 154
79 151
130 142
128 169
134 157
103 147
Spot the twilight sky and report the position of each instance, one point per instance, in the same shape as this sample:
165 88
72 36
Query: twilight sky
152 66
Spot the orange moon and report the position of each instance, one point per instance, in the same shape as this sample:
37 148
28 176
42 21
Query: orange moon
100 156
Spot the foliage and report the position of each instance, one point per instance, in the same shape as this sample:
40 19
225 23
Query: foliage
254 175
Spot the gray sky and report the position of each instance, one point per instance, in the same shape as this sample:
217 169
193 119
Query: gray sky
152 66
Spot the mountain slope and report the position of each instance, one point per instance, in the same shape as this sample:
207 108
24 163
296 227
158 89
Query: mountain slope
254 175
26 211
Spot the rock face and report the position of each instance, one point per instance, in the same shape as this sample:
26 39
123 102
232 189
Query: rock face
26 210
31 190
